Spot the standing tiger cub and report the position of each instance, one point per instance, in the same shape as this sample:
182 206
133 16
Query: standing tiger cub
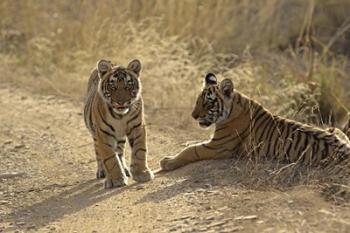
113 112
244 127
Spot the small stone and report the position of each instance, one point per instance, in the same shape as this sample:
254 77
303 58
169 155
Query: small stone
210 218
248 217
208 186
216 224
222 208
323 211
19 146
31 227
238 228
3 202
8 142
213 191
139 187
20 223
11 175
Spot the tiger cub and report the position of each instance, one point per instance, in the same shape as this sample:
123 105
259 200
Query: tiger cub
244 127
113 112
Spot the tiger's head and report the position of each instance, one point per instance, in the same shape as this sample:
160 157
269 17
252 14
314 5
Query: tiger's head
119 86
214 102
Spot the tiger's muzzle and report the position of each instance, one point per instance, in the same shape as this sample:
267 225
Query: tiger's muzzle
120 108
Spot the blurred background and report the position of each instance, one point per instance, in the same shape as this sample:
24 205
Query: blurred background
290 55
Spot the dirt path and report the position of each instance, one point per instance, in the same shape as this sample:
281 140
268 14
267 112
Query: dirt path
47 182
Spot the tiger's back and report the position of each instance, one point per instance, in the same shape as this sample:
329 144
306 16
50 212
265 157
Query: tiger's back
89 99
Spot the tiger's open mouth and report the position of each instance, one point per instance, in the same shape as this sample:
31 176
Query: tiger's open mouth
204 123
120 109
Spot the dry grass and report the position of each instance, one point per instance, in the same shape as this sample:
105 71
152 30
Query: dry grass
282 47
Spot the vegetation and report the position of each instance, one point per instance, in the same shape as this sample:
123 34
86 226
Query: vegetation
291 55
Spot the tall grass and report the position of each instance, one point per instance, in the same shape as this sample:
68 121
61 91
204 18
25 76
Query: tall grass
292 55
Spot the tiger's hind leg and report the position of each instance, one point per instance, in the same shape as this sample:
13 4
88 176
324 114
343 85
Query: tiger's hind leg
340 134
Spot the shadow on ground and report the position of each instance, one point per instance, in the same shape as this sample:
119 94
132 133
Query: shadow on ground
72 200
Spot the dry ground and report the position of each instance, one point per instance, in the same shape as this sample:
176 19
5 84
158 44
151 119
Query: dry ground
47 181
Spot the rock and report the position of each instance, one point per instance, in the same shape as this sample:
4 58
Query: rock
210 218
31 227
3 202
323 211
247 217
8 142
19 146
213 191
11 175
238 228
139 187
217 224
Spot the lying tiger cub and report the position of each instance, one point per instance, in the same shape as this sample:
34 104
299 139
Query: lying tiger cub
243 126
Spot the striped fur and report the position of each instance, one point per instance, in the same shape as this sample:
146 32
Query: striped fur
113 113
244 128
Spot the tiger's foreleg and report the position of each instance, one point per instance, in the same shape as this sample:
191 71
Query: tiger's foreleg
120 152
100 174
139 167
111 164
192 154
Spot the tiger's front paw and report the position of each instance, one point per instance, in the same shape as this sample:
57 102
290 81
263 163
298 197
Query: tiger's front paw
115 183
142 175
168 163
100 174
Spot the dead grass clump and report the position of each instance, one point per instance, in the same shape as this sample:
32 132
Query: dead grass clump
269 174
337 193
283 46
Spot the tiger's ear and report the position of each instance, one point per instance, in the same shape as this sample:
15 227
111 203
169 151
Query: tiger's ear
103 66
226 87
135 66
210 79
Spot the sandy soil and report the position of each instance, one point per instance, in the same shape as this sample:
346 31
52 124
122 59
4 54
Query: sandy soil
47 181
